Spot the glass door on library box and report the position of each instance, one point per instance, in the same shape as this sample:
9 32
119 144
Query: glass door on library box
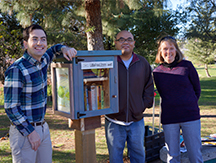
87 86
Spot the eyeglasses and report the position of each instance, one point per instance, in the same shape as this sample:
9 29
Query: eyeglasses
167 37
122 40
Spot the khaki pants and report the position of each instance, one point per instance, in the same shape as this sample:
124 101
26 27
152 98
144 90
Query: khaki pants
21 148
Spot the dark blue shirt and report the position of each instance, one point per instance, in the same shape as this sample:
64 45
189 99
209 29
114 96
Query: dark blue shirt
179 88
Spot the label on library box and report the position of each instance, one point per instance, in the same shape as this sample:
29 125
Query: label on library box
96 65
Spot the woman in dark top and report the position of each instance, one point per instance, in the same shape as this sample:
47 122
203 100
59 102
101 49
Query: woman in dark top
178 84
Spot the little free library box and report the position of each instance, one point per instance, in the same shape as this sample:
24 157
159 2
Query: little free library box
87 86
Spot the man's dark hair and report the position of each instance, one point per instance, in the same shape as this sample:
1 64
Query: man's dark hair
29 29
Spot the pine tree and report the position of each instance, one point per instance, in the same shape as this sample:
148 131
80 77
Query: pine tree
202 22
70 21
57 17
10 42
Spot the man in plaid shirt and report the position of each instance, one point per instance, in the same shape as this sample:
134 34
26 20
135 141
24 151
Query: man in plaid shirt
25 97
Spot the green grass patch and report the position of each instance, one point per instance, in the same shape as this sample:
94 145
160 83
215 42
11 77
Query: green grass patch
5 152
208 93
1 96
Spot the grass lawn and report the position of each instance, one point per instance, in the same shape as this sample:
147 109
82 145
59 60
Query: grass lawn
63 137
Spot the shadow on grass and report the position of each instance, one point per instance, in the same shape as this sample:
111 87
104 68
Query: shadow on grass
208 116
102 158
4 125
63 156
5 154
70 157
150 115
57 157
58 124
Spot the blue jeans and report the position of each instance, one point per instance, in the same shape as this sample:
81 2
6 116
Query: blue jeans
192 139
117 135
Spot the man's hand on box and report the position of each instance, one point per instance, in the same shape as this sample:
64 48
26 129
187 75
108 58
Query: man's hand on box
68 53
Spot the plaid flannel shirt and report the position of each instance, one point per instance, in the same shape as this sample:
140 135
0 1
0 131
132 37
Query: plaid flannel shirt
25 90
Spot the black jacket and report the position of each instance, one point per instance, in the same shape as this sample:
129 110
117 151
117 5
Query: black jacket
136 89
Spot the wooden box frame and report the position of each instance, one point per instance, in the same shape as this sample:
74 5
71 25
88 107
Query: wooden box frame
76 83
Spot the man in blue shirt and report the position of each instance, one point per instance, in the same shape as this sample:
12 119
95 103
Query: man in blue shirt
25 97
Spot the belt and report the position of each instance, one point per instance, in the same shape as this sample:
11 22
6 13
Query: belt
35 123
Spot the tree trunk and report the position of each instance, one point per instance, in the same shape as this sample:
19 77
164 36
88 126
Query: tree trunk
93 21
206 70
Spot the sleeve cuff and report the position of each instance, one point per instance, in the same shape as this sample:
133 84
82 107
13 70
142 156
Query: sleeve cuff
27 130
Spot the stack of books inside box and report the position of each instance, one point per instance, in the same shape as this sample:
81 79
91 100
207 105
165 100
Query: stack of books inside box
93 97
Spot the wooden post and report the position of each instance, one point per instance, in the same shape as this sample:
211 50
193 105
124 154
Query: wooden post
85 138
85 146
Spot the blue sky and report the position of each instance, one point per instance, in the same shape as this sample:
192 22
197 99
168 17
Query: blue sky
172 4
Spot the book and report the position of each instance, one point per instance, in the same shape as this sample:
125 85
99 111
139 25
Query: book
94 97
99 96
102 96
89 74
86 98
89 98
